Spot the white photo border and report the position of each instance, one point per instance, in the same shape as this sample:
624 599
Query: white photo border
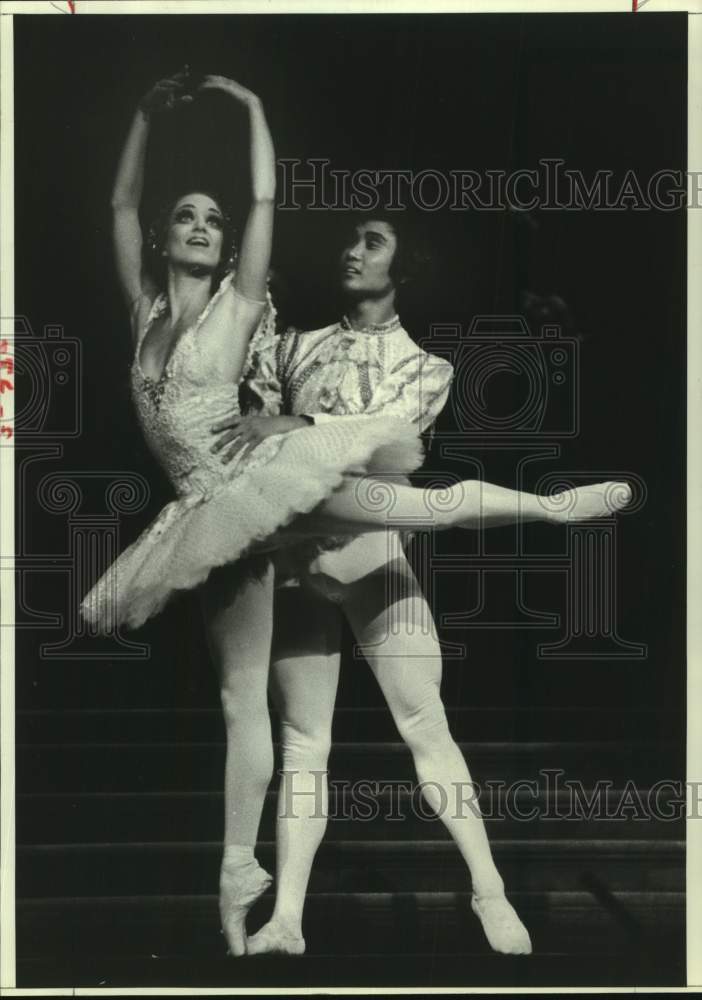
640 8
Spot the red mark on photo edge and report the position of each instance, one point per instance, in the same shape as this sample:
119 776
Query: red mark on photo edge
72 6
634 5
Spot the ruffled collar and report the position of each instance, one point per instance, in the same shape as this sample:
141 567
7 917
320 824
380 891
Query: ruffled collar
373 328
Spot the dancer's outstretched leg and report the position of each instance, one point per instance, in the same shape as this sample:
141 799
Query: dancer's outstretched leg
304 679
469 504
238 620
396 636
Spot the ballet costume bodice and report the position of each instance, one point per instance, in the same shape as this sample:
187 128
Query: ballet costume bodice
177 411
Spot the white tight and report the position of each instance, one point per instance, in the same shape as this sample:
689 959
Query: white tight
238 616
304 677
384 605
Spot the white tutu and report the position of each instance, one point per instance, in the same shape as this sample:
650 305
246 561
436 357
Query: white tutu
287 475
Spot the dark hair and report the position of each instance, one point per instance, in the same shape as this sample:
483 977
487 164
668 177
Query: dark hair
156 264
413 259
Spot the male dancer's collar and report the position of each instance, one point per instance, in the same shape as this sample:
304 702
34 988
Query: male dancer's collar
391 324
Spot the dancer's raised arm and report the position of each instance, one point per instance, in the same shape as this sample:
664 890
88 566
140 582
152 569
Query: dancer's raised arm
255 249
127 190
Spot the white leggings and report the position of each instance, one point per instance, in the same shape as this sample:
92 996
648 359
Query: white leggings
375 588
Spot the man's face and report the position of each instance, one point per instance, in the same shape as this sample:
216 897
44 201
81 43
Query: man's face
365 261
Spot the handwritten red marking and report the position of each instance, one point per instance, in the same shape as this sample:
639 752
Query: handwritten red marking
72 6
5 384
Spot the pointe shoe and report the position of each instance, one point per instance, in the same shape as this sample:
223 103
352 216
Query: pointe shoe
586 503
273 939
236 897
503 928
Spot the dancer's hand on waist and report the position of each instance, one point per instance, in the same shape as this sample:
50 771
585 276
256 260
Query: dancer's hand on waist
238 432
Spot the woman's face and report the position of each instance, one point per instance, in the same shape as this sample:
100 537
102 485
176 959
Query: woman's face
195 231
366 260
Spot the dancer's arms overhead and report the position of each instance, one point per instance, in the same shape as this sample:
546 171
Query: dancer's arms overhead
138 289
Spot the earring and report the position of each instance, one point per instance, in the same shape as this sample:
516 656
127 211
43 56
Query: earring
152 239
233 257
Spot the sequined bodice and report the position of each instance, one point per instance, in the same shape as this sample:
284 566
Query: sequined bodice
177 411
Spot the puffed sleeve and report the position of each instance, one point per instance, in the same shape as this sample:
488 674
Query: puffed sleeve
415 390
260 389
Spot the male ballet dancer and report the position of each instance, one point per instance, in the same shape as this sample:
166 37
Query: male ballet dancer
366 363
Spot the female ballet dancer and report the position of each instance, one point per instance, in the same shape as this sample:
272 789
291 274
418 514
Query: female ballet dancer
366 363
192 344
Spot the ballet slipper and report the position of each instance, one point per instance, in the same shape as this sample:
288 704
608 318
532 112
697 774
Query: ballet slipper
585 503
274 939
503 928
237 894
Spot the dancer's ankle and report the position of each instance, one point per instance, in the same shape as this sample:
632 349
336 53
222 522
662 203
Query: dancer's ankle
504 930
488 885
237 854
288 921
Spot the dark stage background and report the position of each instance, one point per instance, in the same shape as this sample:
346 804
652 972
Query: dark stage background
437 92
